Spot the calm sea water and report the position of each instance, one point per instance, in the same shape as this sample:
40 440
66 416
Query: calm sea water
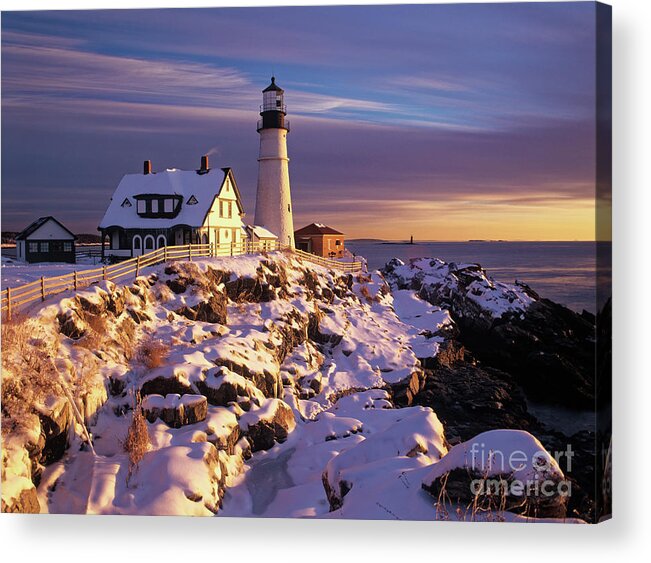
564 272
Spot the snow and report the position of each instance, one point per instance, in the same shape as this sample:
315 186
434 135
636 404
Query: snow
344 425
16 272
511 452
495 298
261 232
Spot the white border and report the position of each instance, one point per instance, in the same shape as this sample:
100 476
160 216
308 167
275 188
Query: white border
116 539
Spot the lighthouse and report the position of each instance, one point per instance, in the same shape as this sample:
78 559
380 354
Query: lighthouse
273 202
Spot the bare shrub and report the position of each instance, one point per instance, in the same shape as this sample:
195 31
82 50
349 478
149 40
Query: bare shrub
137 442
94 338
152 353
126 337
28 374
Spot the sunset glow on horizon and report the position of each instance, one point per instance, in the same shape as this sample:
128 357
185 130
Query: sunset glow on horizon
441 122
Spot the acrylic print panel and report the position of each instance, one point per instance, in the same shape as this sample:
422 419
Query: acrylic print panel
415 327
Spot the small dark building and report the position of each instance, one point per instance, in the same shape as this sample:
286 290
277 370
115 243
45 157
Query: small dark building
46 240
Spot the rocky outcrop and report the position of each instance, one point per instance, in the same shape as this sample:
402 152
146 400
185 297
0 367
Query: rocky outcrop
267 425
175 410
547 348
212 310
482 495
26 502
56 419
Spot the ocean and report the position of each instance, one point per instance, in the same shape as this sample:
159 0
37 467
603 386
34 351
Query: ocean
564 272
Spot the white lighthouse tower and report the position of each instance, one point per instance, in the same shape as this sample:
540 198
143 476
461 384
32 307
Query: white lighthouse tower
273 202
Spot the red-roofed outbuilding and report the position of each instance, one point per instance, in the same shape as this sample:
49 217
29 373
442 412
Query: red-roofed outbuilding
321 240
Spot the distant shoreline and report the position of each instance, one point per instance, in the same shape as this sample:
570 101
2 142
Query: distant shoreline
388 241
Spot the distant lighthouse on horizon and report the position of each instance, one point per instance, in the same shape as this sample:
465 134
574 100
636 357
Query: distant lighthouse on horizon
273 202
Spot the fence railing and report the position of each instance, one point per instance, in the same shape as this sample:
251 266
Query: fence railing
12 298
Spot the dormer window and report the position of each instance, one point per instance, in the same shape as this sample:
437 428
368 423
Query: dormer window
155 206
192 201
126 203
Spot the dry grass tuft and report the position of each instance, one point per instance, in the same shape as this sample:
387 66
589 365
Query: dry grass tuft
28 374
152 353
126 337
367 295
137 442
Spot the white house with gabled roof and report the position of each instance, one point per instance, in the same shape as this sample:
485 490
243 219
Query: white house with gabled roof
170 208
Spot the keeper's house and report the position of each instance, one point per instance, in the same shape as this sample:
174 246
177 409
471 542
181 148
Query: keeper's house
172 208
321 240
46 240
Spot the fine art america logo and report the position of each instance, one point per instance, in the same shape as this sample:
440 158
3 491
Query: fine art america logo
519 473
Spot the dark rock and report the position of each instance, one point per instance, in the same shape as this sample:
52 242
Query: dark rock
469 400
56 419
178 285
547 348
90 306
164 386
221 390
137 316
457 486
71 324
245 290
404 391
263 431
116 385
214 310
174 410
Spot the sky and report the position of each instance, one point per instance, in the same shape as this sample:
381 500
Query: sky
445 122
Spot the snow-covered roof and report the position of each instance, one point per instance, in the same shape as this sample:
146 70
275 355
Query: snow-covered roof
65 233
203 186
316 229
260 232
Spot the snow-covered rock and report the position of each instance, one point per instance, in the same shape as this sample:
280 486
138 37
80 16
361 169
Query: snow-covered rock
175 410
501 470
271 422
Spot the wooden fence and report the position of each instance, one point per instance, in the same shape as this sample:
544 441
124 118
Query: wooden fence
12 298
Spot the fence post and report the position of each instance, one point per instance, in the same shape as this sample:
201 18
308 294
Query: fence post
165 254
212 249
138 265
8 303
74 279
42 288
104 272
190 252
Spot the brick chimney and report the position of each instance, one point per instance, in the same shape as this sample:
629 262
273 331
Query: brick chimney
146 168
204 164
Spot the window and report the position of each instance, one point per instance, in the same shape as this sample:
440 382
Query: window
136 242
154 206
149 242
192 200
221 208
33 246
337 242
126 202
67 247
229 206
289 207
45 247
142 206
168 205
